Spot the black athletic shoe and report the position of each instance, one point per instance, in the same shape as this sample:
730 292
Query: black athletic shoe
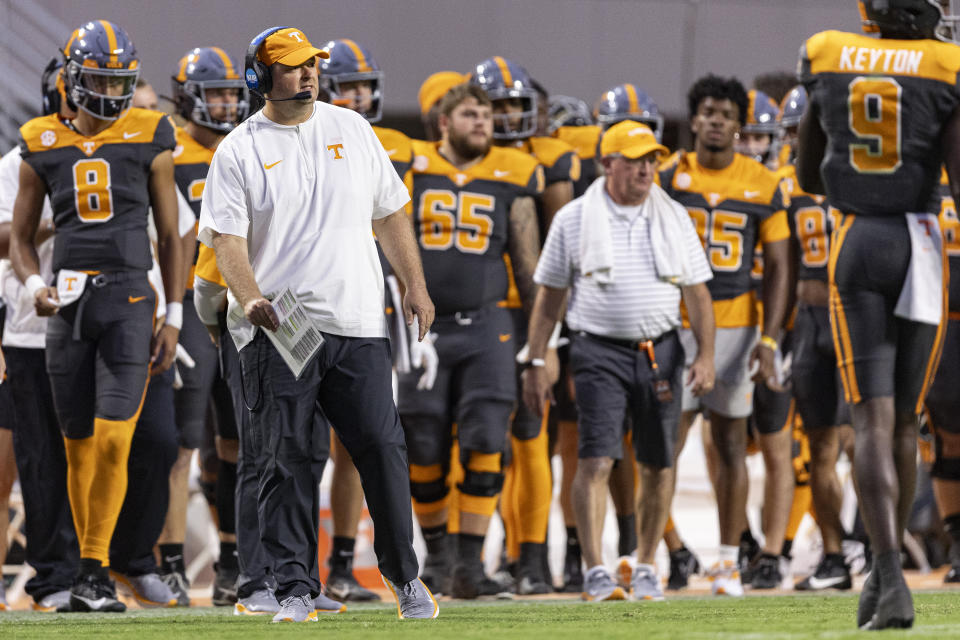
436 574
345 588
530 578
224 586
894 609
683 564
95 592
953 575
572 573
469 582
831 573
749 550
765 572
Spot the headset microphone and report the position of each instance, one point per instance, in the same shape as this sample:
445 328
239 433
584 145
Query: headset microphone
303 95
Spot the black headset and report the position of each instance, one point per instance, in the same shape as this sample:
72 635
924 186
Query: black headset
256 73
48 86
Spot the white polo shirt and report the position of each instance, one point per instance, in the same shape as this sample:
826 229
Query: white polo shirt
637 305
304 197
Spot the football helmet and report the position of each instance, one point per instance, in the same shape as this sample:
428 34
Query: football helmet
909 19
757 135
506 82
794 104
201 70
100 69
567 111
351 62
628 102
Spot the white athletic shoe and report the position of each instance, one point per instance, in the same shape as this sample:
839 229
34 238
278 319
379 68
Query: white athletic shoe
645 585
260 602
598 585
725 579
296 609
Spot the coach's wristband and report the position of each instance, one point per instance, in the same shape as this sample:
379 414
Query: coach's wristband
769 342
538 363
555 336
174 315
33 284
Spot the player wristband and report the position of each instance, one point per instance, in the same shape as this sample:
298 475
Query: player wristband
769 342
555 336
535 362
34 283
174 315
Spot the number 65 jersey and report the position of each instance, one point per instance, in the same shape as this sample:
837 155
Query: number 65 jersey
882 104
99 187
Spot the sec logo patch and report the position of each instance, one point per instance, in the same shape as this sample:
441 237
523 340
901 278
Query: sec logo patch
683 180
48 138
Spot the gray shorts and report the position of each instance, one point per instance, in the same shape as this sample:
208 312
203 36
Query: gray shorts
732 394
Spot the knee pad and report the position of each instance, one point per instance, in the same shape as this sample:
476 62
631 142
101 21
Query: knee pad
428 483
482 474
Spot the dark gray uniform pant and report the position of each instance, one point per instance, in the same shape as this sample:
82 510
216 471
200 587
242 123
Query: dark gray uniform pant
349 381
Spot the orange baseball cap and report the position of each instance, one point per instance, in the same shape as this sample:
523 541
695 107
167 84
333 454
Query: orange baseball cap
288 46
437 85
630 139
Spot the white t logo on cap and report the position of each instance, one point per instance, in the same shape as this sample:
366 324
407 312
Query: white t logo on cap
637 131
295 34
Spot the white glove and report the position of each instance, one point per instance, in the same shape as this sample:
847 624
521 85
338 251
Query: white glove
423 355
183 357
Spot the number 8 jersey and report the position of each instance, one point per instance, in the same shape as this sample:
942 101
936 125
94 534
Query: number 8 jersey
884 150
99 187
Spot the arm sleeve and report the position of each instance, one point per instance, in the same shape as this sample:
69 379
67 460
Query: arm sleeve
390 194
553 267
223 208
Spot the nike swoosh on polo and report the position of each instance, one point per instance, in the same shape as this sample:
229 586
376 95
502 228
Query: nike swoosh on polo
390 152
500 174
504 337
127 136
825 583
750 194
132 300
271 166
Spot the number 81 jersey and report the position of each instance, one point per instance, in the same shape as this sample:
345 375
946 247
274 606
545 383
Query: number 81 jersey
882 104
462 222
99 187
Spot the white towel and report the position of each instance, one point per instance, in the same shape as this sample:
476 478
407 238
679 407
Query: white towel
921 298
667 220
596 244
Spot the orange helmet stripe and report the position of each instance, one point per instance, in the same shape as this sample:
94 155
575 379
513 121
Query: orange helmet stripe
632 98
751 107
362 64
111 39
182 71
228 65
73 36
504 70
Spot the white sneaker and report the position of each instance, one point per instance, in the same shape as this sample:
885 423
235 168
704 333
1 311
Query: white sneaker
260 602
598 585
148 590
645 585
323 604
296 609
725 579
414 599
58 601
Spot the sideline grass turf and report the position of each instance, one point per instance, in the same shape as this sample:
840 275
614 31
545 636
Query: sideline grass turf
689 618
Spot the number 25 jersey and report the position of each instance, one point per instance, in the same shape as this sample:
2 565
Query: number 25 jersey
882 104
99 187
462 222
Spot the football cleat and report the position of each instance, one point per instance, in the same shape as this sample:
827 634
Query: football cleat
344 586
224 586
599 585
572 573
296 609
869 596
725 579
470 581
95 592
258 603
766 572
414 600
644 584
831 573
148 590
100 69
953 575
894 609
683 564
209 69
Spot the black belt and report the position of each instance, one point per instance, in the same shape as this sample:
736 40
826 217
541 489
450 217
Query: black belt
633 345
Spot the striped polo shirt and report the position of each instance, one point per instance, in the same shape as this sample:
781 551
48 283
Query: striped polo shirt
637 305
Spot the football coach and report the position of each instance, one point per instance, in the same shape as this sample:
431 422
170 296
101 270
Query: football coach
292 201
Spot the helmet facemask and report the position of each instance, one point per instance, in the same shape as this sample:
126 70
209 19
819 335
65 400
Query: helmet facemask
194 103
103 93
337 86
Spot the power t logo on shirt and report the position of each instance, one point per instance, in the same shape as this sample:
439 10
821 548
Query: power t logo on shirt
336 150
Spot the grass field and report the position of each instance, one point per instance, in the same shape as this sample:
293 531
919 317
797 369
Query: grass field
686 618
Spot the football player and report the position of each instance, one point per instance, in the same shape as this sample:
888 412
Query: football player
816 380
211 97
515 96
102 171
570 121
472 204
734 202
882 117
756 137
354 80
431 91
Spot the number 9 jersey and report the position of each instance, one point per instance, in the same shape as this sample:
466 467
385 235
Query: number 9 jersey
884 151
98 187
